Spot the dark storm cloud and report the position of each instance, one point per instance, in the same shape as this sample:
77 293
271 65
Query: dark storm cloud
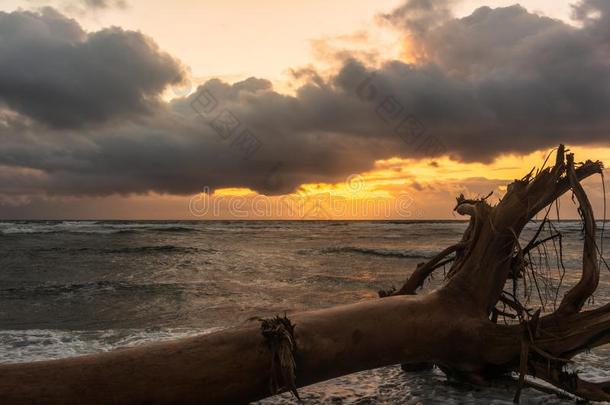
505 80
178 152
82 6
500 80
104 3
56 73
420 16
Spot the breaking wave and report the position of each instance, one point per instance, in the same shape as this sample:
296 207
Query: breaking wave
405 253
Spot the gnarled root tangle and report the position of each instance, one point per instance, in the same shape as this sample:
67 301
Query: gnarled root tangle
488 266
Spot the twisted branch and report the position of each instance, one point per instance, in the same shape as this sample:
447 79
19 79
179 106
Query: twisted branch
574 299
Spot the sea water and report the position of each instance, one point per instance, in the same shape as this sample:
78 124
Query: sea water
69 288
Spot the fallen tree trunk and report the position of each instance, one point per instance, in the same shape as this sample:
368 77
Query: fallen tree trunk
455 327
233 366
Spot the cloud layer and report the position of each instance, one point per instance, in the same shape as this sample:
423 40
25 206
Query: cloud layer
80 112
54 72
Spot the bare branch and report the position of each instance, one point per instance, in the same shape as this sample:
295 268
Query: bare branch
570 382
574 299
588 169
424 270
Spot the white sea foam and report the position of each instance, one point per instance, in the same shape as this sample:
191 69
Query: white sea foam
18 346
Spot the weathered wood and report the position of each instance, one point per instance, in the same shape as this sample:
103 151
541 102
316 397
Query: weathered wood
233 366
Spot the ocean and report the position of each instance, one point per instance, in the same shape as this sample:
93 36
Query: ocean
69 288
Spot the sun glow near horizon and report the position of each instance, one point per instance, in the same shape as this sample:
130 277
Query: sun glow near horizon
396 188
432 184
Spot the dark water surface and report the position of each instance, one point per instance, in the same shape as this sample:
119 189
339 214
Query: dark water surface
74 287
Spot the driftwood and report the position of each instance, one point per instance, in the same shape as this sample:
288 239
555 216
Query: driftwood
455 327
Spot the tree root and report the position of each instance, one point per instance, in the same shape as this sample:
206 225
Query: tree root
540 345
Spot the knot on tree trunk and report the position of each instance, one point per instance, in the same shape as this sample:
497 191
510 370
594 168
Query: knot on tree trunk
279 336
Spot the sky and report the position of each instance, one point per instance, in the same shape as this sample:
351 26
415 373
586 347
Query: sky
269 109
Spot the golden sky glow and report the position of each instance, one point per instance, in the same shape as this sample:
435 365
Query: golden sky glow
428 191
429 185
236 39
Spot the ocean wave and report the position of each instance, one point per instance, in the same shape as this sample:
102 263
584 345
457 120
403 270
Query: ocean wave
18 346
157 249
178 229
404 253
130 250
92 227
123 231
101 287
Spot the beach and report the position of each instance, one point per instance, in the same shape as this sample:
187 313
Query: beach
69 288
